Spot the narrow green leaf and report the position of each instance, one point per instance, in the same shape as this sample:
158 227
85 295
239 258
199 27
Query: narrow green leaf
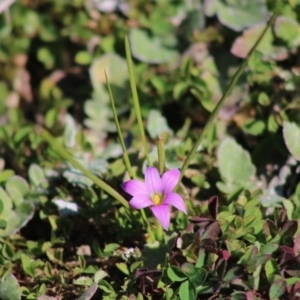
223 98
161 155
125 154
135 98
68 157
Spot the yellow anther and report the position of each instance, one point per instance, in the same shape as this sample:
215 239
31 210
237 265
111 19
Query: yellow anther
156 199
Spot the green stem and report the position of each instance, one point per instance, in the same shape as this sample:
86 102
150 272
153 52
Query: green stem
135 98
222 100
161 155
125 153
68 157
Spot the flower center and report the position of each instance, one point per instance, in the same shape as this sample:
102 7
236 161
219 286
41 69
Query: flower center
156 199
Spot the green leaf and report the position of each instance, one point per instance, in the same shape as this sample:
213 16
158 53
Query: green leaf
157 124
116 69
271 268
235 164
243 44
123 268
9 288
111 247
3 224
286 29
234 272
106 287
46 57
6 202
176 274
246 13
83 58
99 275
83 280
277 289
291 135
187 291
36 174
197 276
17 188
152 49
6 174
254 127
17 219
238 296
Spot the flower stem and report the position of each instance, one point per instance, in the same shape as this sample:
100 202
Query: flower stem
223 98
161 155
135 98
125 153
68 157
159 232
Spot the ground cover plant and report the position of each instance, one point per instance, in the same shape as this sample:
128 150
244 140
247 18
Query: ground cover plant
149 149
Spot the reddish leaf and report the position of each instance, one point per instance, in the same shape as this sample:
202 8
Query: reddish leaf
213 206
212 231
209 245
270 228
293 290
292 267
288 254
289 228
296 244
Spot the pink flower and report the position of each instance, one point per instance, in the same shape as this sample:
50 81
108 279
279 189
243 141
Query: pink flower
157 193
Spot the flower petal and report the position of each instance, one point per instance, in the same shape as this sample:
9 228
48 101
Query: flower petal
162 214
175 200
169 180
134 187
153 181
140 201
